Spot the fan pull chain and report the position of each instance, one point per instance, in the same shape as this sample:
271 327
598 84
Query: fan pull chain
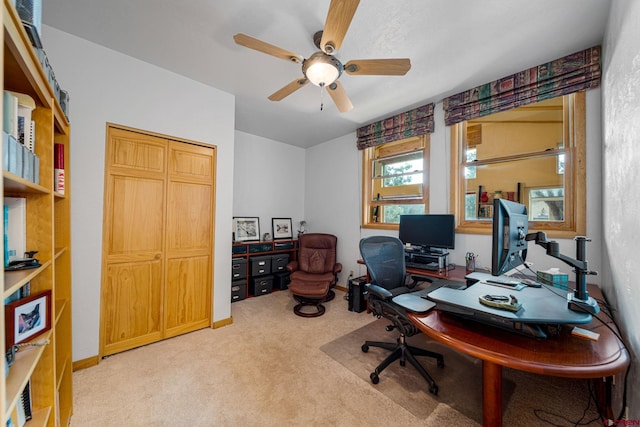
321 96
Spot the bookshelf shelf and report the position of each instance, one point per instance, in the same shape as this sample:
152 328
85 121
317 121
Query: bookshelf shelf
21 370
48 367
13 183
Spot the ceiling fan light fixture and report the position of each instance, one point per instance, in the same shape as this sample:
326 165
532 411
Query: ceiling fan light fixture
322 69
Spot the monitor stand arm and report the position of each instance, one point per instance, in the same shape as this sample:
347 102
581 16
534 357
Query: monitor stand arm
580 300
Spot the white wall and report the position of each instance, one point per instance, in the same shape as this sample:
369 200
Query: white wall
333 190
268 181
106 86
621 175
334 182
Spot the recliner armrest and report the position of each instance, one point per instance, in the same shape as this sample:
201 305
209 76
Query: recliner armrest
292 266
380 292
337 268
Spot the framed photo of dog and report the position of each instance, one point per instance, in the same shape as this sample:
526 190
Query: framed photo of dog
27 318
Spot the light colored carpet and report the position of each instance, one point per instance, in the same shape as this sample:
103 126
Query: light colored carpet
268 369
404 385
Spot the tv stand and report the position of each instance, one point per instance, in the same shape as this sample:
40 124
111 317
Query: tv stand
427 260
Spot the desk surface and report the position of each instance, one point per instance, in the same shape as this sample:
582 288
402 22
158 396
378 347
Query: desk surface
565 355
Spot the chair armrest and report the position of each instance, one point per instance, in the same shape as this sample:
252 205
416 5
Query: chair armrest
292 266
337 268
378 291
413 303
416 278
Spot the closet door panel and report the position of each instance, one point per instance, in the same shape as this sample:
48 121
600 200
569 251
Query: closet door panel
187 295
133 241
133 317
189 246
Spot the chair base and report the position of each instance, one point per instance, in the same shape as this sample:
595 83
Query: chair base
403 352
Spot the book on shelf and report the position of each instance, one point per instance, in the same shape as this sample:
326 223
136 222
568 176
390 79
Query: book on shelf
15 228
23 406
58 168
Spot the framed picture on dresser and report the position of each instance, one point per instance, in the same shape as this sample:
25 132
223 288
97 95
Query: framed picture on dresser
281 228
246 229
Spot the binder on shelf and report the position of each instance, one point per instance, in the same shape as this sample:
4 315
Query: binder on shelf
58 167
15 228
25 106
9 114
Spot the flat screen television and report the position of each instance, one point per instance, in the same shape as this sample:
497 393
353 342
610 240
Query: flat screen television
428 232
510 228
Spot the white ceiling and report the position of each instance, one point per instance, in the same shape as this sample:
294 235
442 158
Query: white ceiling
453 45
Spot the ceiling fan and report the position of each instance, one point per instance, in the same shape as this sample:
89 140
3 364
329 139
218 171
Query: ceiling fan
322 68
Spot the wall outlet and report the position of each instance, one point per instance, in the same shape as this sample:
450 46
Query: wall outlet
351 273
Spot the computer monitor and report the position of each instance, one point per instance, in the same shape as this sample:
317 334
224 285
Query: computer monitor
429 232
510 228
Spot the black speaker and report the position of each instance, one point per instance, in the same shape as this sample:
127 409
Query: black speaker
356 295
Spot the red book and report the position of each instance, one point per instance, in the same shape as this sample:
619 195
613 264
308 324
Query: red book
58 156
58 168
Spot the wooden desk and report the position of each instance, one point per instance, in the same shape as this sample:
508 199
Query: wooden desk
563 356
456 273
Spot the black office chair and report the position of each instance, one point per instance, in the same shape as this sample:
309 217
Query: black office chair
389 296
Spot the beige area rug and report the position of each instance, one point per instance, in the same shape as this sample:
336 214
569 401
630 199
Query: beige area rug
459 382
528 399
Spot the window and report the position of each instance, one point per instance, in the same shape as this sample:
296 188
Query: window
395 181
534 155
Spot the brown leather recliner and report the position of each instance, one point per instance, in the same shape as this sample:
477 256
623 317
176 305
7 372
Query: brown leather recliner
314 273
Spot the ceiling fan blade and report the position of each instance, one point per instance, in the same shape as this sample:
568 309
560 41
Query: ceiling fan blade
339 96
288 89
337 23
269 49
379 67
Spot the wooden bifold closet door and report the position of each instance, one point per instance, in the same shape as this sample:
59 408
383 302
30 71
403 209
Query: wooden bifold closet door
157 239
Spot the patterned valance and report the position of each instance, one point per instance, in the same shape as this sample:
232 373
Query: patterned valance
418 121
573 73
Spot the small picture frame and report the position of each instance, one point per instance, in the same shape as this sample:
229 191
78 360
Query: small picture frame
246 229
27 318
281 228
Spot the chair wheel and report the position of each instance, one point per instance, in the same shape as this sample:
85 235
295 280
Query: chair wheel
433 390
365 348
374 378
440 364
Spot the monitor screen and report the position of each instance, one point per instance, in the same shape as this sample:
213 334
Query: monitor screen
510 228
428 231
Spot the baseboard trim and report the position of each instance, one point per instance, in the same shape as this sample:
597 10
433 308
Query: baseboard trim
85 363
342 288
221 323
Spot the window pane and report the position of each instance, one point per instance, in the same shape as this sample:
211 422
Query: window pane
471 205
392 212
470 171
398 177
546 204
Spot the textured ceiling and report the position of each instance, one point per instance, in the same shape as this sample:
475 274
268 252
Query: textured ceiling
453 45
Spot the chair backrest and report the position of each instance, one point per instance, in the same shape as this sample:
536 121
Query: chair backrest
384 258
317 252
